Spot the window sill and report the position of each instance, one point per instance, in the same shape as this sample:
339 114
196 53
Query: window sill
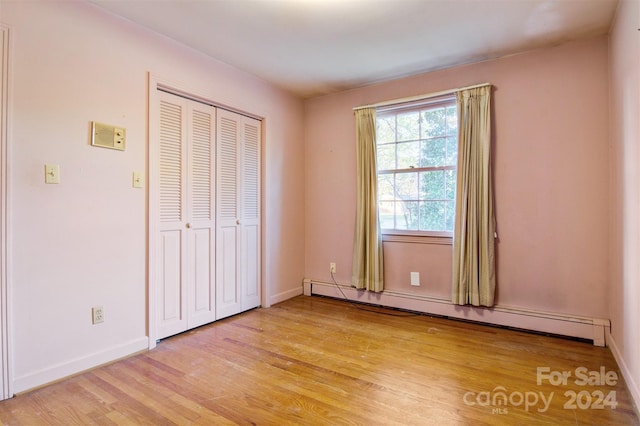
442 238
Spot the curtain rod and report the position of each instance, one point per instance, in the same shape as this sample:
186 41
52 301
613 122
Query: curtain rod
420 97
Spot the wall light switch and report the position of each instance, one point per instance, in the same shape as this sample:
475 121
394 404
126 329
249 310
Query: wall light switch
415 279
138 180
51 173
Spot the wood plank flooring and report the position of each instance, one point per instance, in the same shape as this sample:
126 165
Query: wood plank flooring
318 361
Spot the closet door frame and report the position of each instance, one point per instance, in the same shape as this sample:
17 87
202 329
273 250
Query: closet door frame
6 362
156 84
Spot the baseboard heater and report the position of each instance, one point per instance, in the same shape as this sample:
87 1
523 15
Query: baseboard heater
593 329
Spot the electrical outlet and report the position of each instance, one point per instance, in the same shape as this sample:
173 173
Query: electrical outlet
97 314
332 268
415 279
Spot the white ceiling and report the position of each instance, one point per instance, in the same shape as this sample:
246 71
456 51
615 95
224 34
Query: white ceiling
315 47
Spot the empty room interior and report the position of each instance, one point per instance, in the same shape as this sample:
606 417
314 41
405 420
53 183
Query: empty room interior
191 189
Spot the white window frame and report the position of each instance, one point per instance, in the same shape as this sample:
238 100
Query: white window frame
406 235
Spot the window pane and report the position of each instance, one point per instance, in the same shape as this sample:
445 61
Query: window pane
386 129
385 188
434 123
407 215
408 153
451 156
386 214
450 184
408 126
452 120
433 153
432 185
432 215
450 215
386 156
407 186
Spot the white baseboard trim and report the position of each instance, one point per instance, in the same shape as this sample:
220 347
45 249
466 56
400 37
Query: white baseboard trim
545 322
632 385
285 295
65 369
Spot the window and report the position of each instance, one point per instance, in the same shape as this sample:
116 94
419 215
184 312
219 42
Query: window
417 152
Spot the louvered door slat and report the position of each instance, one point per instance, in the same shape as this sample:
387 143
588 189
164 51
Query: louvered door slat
227 168
201 147
251 171
170 162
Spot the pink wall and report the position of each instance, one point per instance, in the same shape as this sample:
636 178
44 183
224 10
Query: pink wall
551 180
83 242
624 277
73 63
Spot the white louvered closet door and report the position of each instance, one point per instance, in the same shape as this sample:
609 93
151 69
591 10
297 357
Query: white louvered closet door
238 219
250 214
170 249
201 215
228 300
184 258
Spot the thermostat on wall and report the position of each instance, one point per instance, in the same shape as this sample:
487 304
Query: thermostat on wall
107 136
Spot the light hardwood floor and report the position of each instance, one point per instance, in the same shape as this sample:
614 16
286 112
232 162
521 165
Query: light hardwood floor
317 361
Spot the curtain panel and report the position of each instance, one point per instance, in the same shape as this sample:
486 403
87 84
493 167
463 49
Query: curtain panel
367 269
474 279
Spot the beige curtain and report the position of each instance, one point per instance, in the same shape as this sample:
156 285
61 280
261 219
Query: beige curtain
474 279
367 270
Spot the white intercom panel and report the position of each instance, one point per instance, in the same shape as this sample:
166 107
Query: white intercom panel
108 136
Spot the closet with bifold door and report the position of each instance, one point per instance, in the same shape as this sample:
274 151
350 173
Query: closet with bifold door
204 197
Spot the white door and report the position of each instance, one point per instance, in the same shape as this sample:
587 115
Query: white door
250 214
183 164
228 301
201 215
238 219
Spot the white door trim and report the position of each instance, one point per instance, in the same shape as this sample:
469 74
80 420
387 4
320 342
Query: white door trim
5 358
